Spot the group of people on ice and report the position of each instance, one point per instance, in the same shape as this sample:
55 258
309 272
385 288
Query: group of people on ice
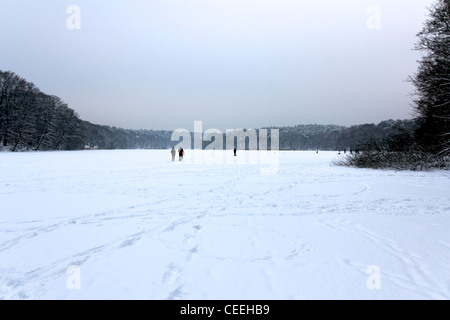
180 153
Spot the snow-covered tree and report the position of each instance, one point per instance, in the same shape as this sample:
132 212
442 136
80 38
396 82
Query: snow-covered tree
31 119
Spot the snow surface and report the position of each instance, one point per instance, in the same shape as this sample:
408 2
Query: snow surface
135 225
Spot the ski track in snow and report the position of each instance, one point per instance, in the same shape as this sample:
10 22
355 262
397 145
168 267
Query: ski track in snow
216 231
413 272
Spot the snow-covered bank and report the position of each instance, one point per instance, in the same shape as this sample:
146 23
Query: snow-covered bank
134 225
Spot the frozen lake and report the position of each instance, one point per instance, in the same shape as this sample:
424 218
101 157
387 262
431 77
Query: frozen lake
134 225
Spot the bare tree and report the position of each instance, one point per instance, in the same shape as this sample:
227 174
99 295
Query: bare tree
9 83
432 80
22 130
30 119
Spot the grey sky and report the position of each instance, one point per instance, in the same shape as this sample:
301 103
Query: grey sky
161 64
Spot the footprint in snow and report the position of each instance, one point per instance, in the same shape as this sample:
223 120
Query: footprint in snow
177 294
191 253
171 274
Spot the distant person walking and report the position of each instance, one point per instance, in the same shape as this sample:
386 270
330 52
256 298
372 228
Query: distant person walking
174 153
180 153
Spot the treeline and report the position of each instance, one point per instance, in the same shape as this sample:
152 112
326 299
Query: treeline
301 137
331 137
33 120
105 137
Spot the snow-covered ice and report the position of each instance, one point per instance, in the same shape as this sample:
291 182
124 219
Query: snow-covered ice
134 225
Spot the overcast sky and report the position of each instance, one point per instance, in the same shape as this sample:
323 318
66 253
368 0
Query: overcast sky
161 64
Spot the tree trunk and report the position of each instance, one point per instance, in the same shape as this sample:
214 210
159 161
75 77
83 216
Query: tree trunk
40 141
5 135
59 141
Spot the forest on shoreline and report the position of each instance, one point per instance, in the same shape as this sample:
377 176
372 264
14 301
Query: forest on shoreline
31 120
